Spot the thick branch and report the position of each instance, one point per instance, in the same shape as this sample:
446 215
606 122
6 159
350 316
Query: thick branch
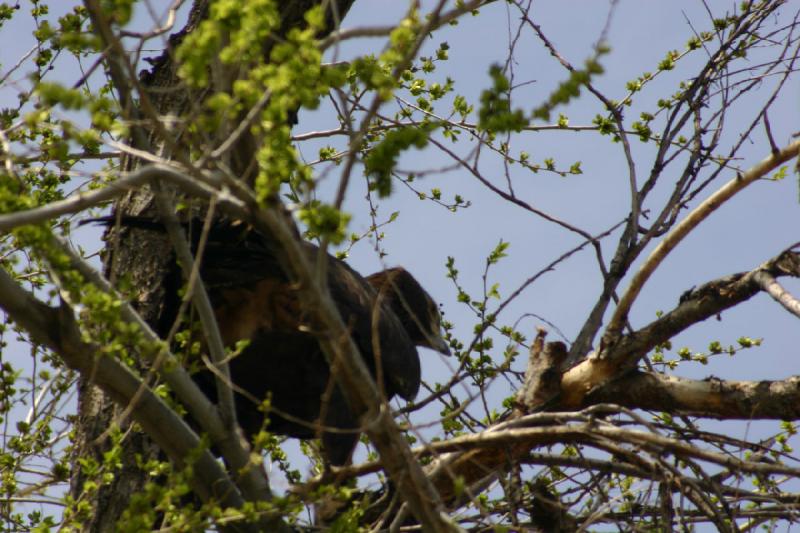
543 375
711 398
695 306
202 303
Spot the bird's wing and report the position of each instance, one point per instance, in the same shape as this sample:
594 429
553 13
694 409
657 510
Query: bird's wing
396 358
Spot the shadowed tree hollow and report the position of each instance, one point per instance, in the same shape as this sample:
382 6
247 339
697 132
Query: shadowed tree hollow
436 266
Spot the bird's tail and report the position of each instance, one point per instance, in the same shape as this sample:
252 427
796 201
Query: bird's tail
128 221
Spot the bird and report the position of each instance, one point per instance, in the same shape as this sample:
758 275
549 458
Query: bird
282 362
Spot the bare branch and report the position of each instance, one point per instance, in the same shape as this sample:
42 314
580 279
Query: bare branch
779 294
712 397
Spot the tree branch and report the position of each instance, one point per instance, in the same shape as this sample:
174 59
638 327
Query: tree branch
202 302
695 306
692 220
337 36
769 285
473 458
472 465
78 202
543 375
711 398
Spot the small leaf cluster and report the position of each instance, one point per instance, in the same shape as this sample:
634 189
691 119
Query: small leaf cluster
482 366
401 40
382 158
548 164
70 34
495 113
686 354
571 88
426 93
324 220
243 27
373 75
436 195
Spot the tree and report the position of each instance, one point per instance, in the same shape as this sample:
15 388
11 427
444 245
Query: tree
614 427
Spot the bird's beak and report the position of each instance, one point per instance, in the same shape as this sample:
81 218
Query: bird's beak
440 345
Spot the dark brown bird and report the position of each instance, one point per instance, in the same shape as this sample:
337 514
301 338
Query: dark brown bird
254 300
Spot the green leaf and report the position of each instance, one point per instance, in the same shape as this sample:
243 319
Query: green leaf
382 159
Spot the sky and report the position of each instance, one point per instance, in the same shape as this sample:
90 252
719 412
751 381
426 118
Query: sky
753 227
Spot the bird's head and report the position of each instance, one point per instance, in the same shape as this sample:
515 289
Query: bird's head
414 307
